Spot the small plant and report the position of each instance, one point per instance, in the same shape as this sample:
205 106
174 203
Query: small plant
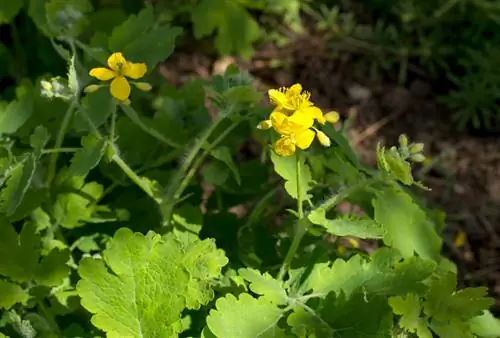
118 193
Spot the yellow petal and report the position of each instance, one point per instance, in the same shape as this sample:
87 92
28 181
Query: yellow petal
304 139
135 70
120 88
294 90
277 119
316 114
323 139
265 125
301 119
284 146
103 74
116 61
332 117
276 97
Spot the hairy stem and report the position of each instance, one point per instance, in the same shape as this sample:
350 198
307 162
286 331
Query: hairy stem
300 227
59 141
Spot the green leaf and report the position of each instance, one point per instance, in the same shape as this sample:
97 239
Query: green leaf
154 46
361 228
147 126
410 309
131 29
485 325
383 274
75 202
9 10
265 285
39 139
444 304
244 317
407 227
11 294
18 181
53 268
236 29
339 316
18 111
223 154
165 275
286 167
89 156
96 107
24 262
141 40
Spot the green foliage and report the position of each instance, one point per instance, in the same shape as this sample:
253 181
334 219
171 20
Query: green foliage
149 218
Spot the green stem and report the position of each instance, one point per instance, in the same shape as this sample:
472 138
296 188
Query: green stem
200 160
60 150
59 141
49 317
133 176
342 195
182 171
300 228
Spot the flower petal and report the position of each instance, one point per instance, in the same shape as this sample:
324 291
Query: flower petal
135 70
284 146
116 61
294 90
120 88
102 74
302 119
276 97
304 139
316 114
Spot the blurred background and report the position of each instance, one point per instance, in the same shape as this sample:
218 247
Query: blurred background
426 68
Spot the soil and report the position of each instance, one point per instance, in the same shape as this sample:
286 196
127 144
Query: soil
465 172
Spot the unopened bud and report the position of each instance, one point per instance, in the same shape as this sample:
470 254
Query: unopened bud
417 158
265 125
323 139
91 88
144 86
332 117
416 148
403 140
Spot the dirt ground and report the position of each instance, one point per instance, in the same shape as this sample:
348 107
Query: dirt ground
465 172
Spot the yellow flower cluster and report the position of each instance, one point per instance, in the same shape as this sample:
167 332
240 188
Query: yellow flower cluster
293 118
119 70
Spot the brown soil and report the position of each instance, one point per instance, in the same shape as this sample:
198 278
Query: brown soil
465 175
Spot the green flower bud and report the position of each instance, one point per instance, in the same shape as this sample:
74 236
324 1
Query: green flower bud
403 140
417 158
416 148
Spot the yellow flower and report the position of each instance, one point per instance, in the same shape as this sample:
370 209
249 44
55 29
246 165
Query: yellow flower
119 69
293 119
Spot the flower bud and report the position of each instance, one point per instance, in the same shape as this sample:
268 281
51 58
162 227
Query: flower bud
417 158
144 86
265 125
91 88
403 140
416 148
332 117
323 139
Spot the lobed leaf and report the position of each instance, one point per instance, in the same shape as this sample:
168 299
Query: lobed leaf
143 283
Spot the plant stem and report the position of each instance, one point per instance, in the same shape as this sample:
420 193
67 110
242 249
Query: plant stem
301 225
49 317
59 141
339 197
182 171
133 176
60 150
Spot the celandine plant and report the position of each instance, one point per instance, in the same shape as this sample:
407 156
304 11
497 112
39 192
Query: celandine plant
116 208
